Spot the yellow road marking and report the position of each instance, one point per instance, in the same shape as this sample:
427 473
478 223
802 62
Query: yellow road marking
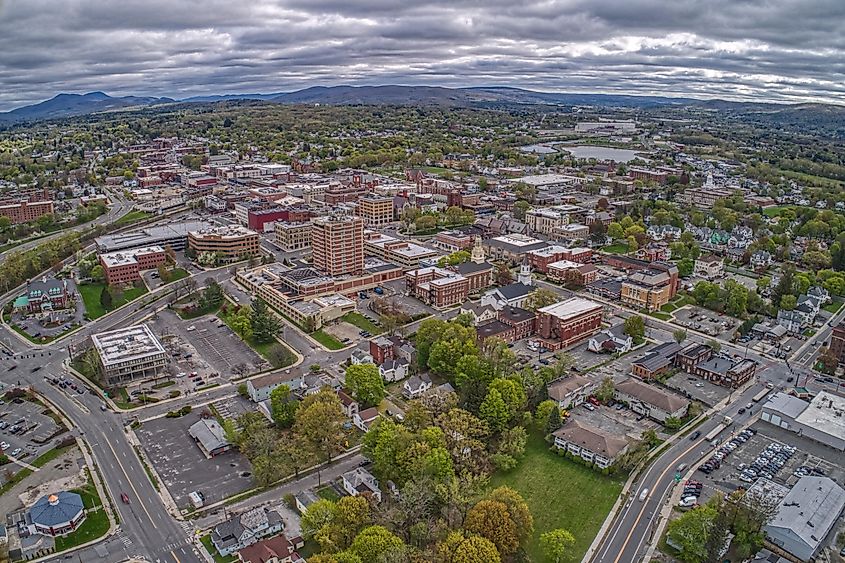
128 480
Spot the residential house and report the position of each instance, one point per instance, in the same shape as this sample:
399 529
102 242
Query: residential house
793 321
761 259
385 348
365 418
359 481
571 391
709 267
394 370
724 371
650 400
359 356
304 499
278 549
415 386
663 232
590 443
479 313
259 388
245 529
349 405
612 340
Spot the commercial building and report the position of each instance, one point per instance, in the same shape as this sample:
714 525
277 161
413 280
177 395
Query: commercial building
46 295
511 324
293 236
567 322
821 420
337 244
210 437
437 287
703 198
25 211
590 443
657 362
229 243
650 401
453 241
540 259
572 232
575 273
125 267
57 514
129 354
700 360
606 127
547 220
375 210
806 516
512 247
407 254
174 235
651 288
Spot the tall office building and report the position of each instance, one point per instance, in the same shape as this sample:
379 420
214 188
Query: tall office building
337 243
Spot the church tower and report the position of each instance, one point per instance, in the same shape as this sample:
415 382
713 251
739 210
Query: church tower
477 252
524 276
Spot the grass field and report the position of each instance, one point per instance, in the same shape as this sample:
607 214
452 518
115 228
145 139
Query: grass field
327 340
362 322
177 274
777 210
561 494
132 217
834 306
96 520
91 296
617 248
661 316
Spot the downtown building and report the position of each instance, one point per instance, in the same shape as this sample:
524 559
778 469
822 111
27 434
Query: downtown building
25 211
124 267
129 354
230 243
567 322
337 244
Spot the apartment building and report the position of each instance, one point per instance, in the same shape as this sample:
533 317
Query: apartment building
703 198
590 443
25 211
375 210
129 354
337 243
230 243
651 288
567 322
125 266
546 220
293 236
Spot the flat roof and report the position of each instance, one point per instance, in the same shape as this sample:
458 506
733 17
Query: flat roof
125 344
571 307
517 239
124 257
224 231
825 413
149 236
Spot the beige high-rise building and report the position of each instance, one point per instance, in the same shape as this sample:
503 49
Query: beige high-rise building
376 210
337 244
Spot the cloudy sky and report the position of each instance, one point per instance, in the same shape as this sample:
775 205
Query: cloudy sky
769 50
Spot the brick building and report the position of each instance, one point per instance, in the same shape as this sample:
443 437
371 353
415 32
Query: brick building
25 211
337 244
567 322
375 210
837 342
125 266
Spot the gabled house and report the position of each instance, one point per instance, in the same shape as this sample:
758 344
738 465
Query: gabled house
793 321
359 356
304 499
245 529
650 400
415 386
359 481
761 259
394 370
479 313
709 267
349 405
820 294
590 443
569 392
612 340
663 232
513 295
277 549
365 418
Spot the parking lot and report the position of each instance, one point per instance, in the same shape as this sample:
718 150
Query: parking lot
206 346
184 468
706 321
27 429
698 389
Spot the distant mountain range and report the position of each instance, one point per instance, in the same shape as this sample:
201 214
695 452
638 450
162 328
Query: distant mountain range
68 105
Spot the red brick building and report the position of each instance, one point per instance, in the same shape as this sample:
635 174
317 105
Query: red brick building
337 244
442 287
837 342
539 260
25 211
568 322
125 266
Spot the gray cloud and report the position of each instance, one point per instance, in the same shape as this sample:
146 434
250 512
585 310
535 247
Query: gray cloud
768 50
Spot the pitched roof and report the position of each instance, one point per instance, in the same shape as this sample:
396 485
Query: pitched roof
559 388
591 438
810 509
515 290
56 509
651 395
265 550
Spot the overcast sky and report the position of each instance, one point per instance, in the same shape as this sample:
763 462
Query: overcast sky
775 50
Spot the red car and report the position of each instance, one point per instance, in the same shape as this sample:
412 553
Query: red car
124 498
594 401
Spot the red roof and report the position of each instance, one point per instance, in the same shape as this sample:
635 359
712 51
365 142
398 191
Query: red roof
265 550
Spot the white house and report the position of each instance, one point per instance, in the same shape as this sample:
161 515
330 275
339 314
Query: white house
613 340
245 529
650 400
359 481
394 370
793 321
259 388
513 295
359 356
363 419
761 259
416 386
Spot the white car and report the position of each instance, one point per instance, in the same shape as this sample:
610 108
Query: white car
16 452
4 446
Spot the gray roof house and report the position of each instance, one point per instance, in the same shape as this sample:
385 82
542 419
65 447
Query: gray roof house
806 516
210 437
245 529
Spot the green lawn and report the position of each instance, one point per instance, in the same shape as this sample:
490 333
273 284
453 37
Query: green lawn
209 547
96 520
617 248
177 274
777 210
561 494
362 322
834 306
328 493
327 340
91 296
132 217
40 461
661 316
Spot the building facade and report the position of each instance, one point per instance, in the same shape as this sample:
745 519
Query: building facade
567 322
129 354
125 267
337 244
375 210
231 243
293 236
26 211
